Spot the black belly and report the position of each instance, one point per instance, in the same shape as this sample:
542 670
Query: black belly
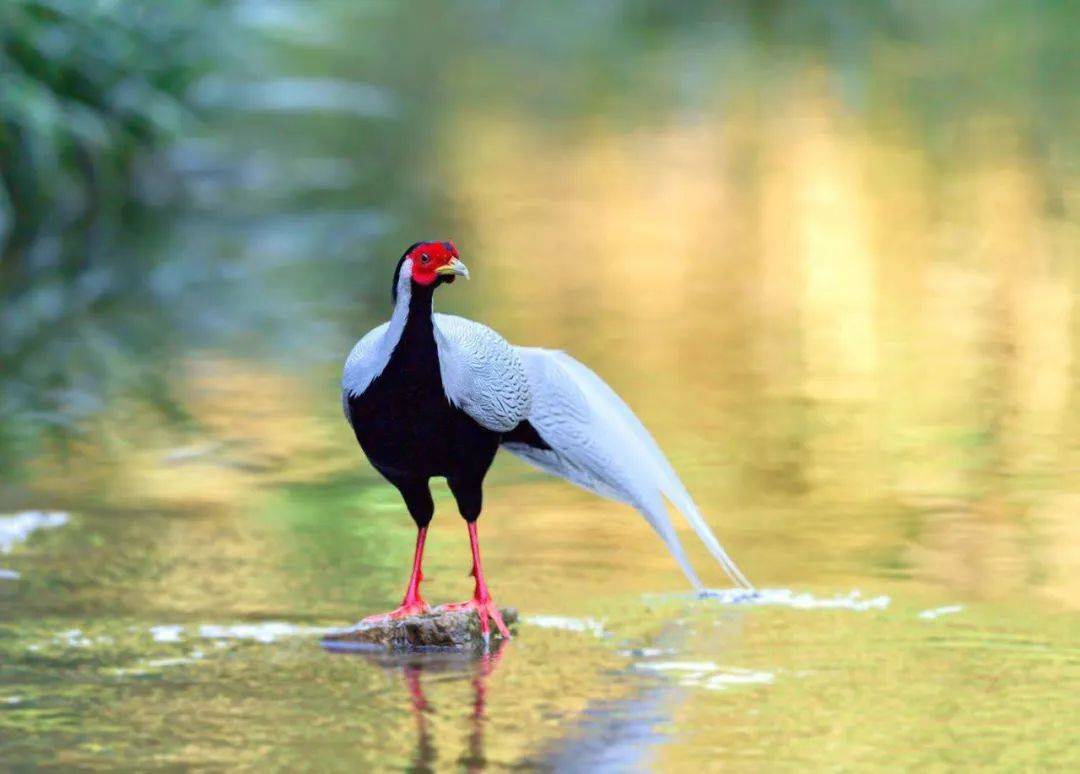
419 440
408 429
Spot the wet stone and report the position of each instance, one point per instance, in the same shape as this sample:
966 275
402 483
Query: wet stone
457 630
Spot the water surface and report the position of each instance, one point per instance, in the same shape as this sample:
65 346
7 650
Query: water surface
828 257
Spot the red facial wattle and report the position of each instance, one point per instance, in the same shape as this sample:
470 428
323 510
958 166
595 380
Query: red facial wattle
428 258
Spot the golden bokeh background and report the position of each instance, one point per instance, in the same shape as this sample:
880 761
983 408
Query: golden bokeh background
827 254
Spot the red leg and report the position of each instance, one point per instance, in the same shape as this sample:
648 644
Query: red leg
412 604
481 602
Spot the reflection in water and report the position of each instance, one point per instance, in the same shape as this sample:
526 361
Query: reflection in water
415 667
616 736
608 734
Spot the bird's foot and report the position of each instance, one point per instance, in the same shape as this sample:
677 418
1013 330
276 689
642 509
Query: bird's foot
485 608
411 607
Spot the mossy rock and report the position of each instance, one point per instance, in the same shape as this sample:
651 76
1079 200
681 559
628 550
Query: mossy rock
456 630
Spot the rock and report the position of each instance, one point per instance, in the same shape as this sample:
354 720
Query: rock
458 630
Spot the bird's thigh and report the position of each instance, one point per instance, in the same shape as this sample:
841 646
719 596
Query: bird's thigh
417 496
469 493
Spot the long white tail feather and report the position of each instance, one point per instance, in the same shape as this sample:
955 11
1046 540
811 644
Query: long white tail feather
598 443
691 513
657 515
669 482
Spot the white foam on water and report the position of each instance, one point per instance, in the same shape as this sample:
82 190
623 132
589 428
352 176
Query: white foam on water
74 638
566 624
17 528
196 655
267 631
166 632
148 666
853 600
221 635
708 674
937 612
680 666
734 676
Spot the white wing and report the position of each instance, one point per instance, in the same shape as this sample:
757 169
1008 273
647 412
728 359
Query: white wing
598 443
367 360
482 374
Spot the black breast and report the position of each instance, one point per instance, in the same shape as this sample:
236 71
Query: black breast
404 421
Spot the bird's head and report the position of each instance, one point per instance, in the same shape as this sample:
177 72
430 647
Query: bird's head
429 263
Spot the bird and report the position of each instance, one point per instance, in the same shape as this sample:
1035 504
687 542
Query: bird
431 395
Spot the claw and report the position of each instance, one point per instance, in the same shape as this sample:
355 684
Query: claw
485 609
481 602
417 607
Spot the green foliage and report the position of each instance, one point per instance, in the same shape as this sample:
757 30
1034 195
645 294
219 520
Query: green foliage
87 89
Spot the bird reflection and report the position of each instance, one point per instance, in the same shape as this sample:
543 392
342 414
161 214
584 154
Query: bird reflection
414 666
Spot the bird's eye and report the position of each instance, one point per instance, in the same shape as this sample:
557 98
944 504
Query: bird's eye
425 258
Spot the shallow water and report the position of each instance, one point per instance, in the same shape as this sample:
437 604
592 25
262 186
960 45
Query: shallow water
840 288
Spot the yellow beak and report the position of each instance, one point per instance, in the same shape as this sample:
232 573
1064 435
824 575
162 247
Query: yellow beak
455 268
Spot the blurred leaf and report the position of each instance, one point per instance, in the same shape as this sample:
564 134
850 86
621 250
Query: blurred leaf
93 86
